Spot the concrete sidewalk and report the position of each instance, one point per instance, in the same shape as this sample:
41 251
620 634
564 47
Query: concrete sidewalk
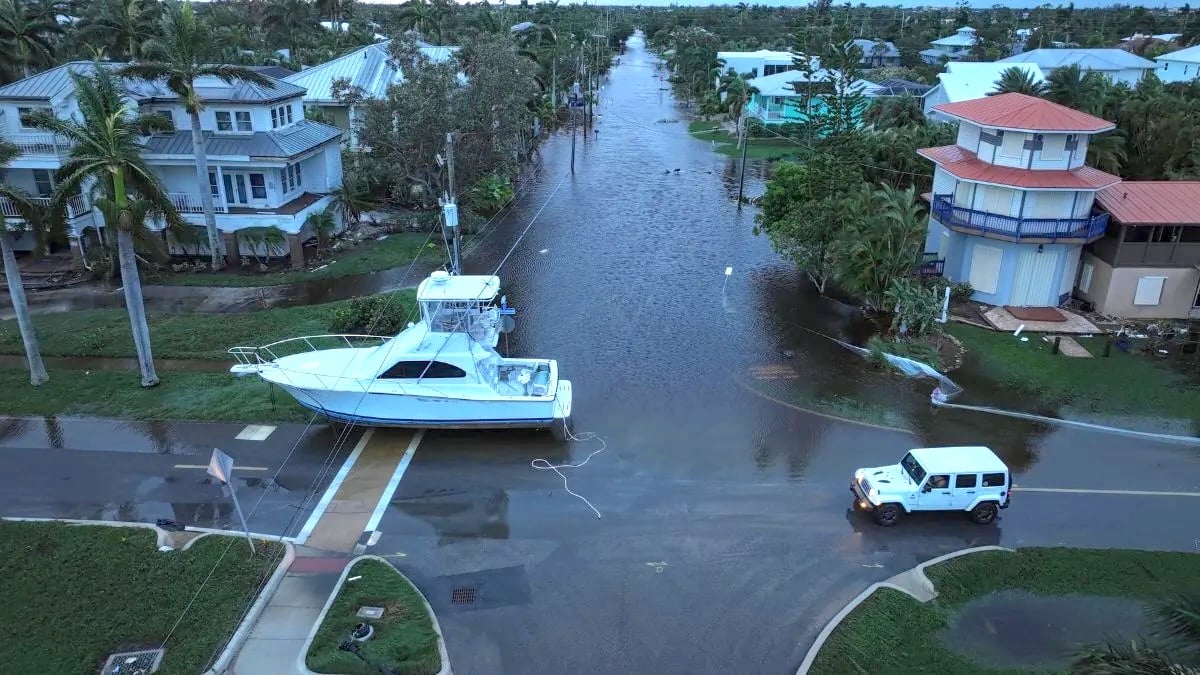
278 640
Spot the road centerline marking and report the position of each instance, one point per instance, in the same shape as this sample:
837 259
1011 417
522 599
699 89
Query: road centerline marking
1086 491
386 497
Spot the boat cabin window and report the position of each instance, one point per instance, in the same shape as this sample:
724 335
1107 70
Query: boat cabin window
412 370
454 316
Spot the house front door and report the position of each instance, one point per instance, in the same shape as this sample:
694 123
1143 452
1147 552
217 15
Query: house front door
247 189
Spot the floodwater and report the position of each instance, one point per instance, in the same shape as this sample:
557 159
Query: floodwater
1021 631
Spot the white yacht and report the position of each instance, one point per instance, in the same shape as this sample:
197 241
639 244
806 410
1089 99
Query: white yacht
441 372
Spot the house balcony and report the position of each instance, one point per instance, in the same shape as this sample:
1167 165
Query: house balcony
1010 228
930 266
186 203
288 217
40 145
76 206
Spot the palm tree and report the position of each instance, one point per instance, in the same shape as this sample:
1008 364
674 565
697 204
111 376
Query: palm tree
424 17
177 59
351 198
1107 152
737 90
1015 80
12 274
1173 648
324 225
106 149
1077 88
884 245
27 36
121 25
286 21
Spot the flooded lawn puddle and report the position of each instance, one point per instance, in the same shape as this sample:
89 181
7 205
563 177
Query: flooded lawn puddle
1019 630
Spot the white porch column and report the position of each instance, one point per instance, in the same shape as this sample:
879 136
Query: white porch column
221 188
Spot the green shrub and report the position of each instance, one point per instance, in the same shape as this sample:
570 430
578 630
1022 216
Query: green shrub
917 350
373 314
960 291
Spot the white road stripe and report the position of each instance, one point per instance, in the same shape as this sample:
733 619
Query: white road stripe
333 488
1143 493
386 497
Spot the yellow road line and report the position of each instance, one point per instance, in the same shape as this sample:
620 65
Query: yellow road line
238 468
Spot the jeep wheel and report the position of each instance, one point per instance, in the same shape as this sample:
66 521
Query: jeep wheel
888 515
984 513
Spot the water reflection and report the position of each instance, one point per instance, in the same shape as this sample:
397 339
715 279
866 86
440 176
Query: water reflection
457 514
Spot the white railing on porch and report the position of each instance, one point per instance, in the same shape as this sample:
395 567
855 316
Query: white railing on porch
44 145
76 206
190 203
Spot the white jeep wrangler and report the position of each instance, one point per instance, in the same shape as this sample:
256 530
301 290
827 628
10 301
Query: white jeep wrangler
972 480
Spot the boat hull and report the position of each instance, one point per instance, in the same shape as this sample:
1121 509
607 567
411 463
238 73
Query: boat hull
393 410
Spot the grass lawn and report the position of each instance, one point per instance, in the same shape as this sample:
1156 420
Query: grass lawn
397 250
760 148
404 639
105 332
1122 384
893 633
72 595
181 395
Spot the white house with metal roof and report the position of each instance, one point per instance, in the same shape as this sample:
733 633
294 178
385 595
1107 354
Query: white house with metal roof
951 47
758 63
1118 65
268 165
968 80
877 53
1179 66
370 69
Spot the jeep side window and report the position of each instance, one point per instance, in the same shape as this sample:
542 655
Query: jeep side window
993 480
965 480
940 482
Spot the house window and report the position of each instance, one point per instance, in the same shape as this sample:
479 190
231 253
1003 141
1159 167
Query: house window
44 182
166 115
1149 291
1012 145
258 186
22 113
411 370
226 120
290 177
774 69
212 185
281 116
1053 147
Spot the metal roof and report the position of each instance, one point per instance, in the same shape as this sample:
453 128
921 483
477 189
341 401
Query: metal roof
894 86
967 80
277 72
963 37
368 68
278 143
1020 112
868 49
780 84
51 83
963 164
1189 55
1087 59
1175 202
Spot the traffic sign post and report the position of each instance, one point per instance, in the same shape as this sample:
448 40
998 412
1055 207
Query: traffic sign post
220 466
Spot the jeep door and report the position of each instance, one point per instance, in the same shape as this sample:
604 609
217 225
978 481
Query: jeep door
964 491
935 495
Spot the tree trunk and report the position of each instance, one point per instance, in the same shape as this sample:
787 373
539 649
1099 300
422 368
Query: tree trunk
206 202
12 274
133 290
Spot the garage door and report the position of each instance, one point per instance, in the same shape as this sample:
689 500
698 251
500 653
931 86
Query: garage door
1033 285
984 275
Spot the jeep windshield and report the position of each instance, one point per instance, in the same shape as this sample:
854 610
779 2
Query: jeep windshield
914 470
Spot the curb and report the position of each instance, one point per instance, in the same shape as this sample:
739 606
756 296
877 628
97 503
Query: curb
918 572
225 660
163 536
301 661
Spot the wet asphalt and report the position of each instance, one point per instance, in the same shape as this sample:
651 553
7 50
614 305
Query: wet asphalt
727 540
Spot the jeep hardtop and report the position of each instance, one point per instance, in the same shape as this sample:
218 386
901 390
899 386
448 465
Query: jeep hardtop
968 479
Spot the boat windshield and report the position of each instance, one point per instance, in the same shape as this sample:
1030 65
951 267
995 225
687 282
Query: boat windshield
913 468
454 316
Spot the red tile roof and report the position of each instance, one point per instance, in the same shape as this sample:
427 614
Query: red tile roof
964 164
1175 202
1024 113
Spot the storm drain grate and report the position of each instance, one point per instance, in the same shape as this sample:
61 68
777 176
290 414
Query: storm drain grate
463 595
133 663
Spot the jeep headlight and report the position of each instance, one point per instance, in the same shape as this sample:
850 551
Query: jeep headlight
858 475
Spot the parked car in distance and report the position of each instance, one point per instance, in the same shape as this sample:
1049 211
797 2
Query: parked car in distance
968 479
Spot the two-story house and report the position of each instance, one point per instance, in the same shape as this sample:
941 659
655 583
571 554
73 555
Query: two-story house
267 165
1179 66
1011 207
1147 264
757 64
1117 65
951 47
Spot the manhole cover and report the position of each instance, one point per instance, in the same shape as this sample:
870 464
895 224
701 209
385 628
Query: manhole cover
133 663
463 596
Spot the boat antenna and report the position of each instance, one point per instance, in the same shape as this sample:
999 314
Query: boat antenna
450 208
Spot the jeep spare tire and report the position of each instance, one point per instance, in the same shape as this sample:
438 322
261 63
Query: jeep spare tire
888 515
984 513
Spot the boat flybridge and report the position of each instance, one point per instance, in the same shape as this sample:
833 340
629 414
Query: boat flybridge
441 372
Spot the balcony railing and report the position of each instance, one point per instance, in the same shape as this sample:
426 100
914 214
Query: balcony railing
1018 228
190 203
76 206
930 266
40 145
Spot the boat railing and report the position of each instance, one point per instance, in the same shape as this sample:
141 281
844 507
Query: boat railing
253 356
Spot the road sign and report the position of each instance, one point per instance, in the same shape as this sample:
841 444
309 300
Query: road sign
220 466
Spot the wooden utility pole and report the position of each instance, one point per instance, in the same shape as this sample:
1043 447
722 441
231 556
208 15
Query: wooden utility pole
744 131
